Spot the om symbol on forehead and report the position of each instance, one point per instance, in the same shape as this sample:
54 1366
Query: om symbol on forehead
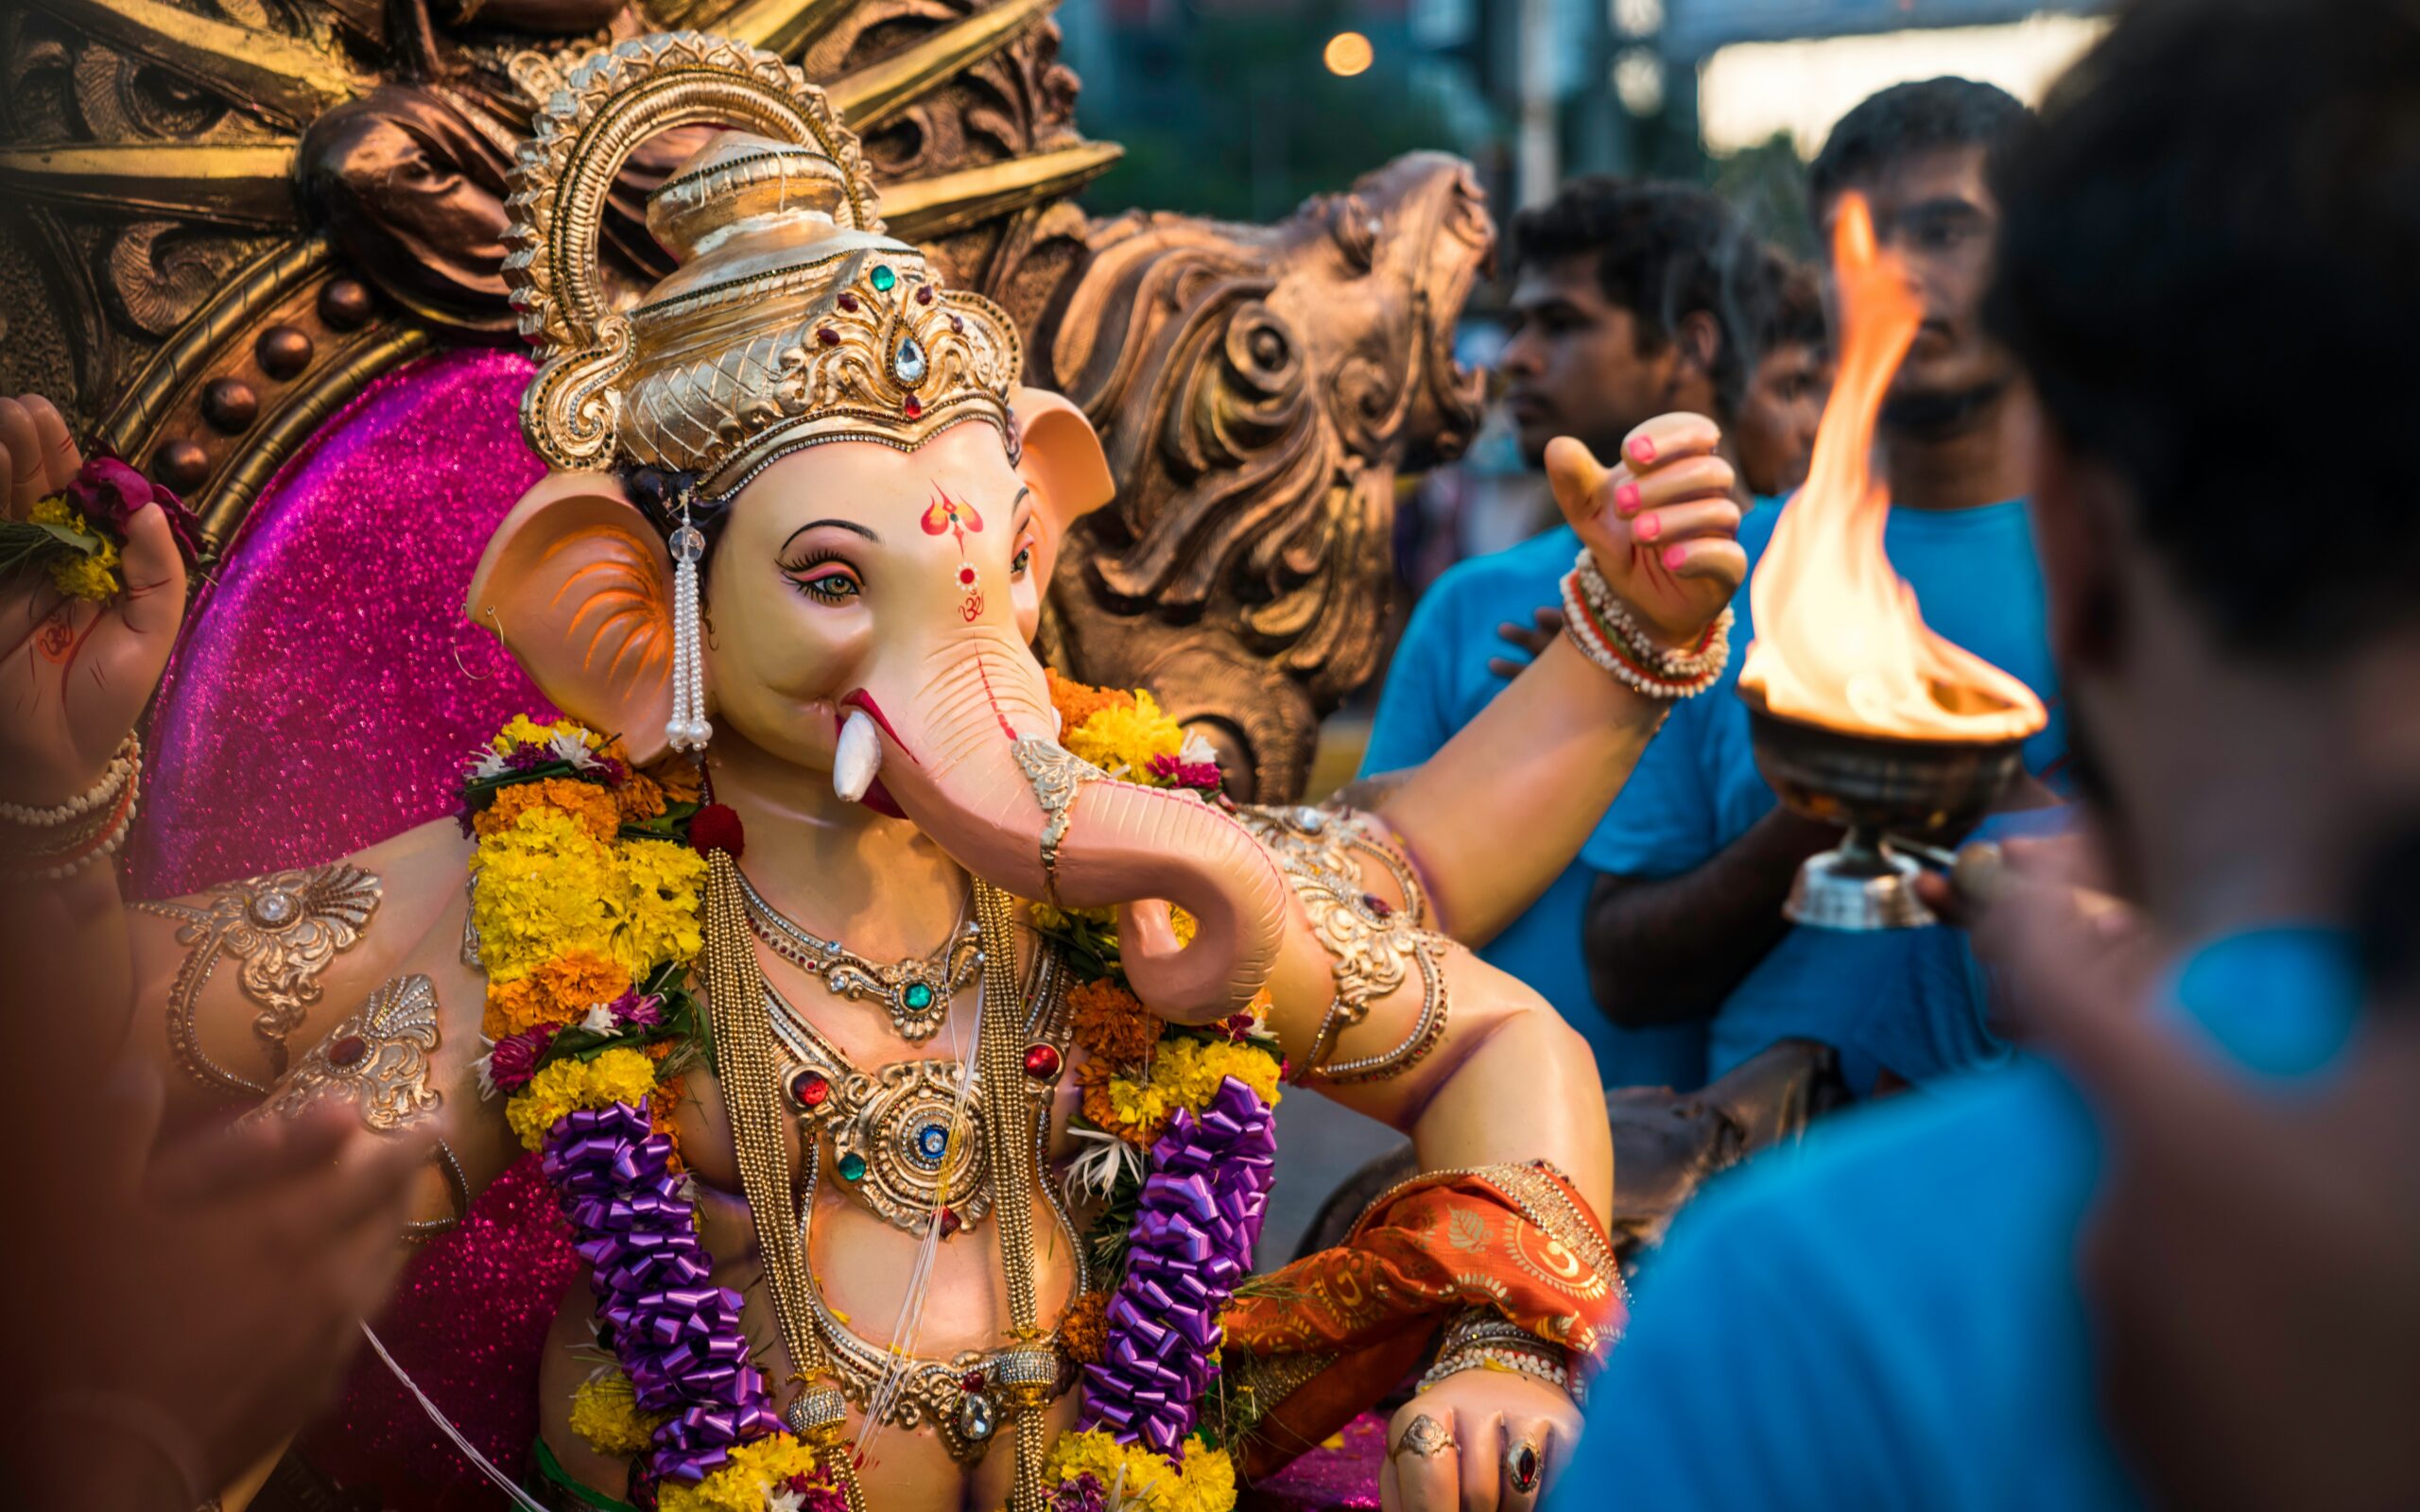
959 518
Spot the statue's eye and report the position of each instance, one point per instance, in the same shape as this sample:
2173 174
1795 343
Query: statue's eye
826 579
1022 562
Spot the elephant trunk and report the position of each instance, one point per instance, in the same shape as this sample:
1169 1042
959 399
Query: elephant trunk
950 765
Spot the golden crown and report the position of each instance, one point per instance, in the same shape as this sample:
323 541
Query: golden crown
790 320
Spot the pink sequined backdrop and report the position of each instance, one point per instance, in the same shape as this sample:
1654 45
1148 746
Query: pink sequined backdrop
326 691
323 699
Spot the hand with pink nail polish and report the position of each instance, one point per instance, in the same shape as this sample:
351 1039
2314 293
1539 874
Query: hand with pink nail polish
1662 526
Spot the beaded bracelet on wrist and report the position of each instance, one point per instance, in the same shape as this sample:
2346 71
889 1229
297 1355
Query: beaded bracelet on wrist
96 824
103 794
1601 626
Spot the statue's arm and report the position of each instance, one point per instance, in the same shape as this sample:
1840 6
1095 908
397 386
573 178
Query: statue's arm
1378 1011
239 986
1499 812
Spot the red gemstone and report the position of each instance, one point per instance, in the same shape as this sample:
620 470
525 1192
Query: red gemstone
924 295
972 1381
956 323
848 302
950 1224
828 336
348 1050
1042 1061
912 406
809 1089
1377 905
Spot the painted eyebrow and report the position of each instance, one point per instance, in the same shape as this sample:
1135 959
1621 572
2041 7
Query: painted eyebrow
1023 493
817 524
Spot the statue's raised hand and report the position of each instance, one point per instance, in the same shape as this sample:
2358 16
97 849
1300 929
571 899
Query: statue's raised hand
77 674
1663 524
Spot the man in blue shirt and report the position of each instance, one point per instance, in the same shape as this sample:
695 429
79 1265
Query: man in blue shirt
1686 923
1622 311
1891 1316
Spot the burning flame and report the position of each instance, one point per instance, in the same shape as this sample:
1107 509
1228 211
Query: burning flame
1840 641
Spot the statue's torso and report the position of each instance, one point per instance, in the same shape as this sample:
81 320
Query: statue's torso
863 1263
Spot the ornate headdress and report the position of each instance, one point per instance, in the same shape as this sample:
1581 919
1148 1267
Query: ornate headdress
791 320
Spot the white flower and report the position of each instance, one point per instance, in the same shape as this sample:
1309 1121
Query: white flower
489 764
1196 749
783 1500
568 746
600 1019
1095 1170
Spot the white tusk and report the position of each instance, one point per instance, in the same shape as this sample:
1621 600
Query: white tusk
855 756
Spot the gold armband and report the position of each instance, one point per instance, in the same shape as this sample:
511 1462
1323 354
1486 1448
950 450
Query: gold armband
285 927
1372 941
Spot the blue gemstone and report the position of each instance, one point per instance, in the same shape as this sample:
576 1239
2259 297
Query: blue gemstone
932 1141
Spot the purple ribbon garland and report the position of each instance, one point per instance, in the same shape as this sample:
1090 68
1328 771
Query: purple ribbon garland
677 1334
1190 1244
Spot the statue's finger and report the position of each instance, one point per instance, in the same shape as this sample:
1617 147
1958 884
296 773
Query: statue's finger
60 461
22 443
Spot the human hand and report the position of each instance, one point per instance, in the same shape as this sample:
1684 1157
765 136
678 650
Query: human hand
1662 525
1530 640
75 674
1460 1461
206 1297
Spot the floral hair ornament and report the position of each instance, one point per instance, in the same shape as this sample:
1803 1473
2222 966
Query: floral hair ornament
76 535
791 320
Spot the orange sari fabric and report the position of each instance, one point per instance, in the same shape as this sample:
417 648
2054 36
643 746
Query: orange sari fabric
1517 1239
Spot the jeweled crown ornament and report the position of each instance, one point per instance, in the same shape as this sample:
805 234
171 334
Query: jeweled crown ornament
791 318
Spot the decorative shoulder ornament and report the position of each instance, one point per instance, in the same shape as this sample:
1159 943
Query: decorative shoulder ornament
791 320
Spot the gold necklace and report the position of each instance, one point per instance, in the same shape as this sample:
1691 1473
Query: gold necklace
915 993
1019 1380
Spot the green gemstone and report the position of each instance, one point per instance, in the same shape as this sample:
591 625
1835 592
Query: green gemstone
884 278
918 997
853 1167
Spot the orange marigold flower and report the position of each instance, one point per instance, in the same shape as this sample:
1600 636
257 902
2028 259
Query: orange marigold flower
1083 1329
678 777
640 797
660 1105
557 992
1113 1025
1078 702
591 805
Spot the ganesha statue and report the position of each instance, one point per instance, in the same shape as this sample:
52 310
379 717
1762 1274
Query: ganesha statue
898 1026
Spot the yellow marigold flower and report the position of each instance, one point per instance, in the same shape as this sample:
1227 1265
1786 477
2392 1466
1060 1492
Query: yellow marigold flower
1188 1071
76 575
660 904
746 1481
606 1413
619 1075
545 888
593 806
558 993
523 730
1204 1483
1134 1110
1122 741
1182 925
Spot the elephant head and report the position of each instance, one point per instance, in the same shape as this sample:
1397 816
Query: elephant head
871 614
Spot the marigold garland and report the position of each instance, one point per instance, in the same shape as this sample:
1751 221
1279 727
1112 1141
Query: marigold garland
1111 1024
618 1076
1204 1482
76 574
756 1471
1083 1327
557 992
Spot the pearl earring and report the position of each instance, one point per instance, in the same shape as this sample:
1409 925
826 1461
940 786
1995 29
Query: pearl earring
687 730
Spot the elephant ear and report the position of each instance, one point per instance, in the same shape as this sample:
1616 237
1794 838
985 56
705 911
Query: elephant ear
579 588
1063 462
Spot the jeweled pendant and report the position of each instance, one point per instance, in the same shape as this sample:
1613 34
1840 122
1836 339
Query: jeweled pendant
975 1419
884 278
853 1167
907 364
918 997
